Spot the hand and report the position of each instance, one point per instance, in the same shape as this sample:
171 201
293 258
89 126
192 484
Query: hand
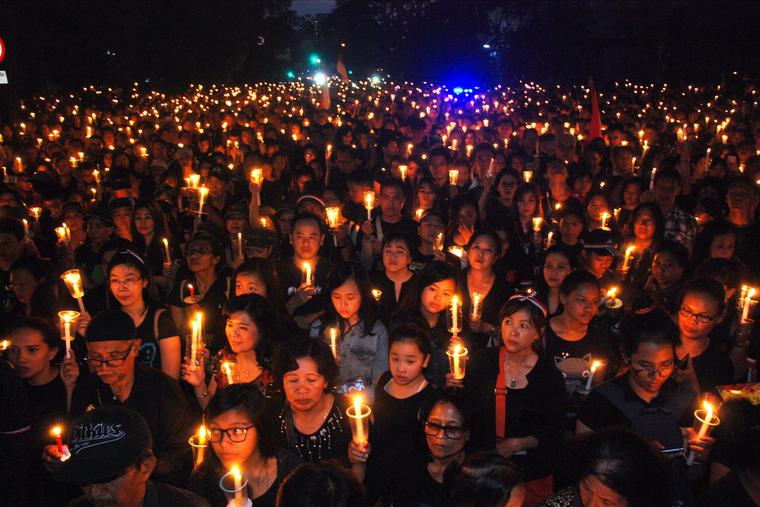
538 240
700 448
506 447
84 321
358 454
367 229
340 232
254 188
170 270
69 370
453 191
237 262
303 294
451 382
439 256
465 232
195 374
51 458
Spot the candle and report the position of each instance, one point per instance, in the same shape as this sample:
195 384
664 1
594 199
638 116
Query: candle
457 360
549 239
627 258
4 344
453 177
227 367
708 419
605 217
457 250
594 366
537 224
240 245
651 178
167 253
58 440
73 280
328 151
257 176
194 180
26 227
196 338
192 291
308 277
332 214
68 318
611 300
377 294
237 477
333 332
36 212
359 420
203 193
455 309
476 308
369 202
199 442
527 176
438 242
402 170
748 305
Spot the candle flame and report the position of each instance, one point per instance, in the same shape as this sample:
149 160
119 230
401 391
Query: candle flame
612 292
202 435
56 431
235 471
595 365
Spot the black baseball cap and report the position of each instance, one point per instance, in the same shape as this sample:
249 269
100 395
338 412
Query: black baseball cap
103 443
600 241
110 325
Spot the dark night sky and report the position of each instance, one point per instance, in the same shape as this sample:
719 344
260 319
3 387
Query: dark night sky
55 45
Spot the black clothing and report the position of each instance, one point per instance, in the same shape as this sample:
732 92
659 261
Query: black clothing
291 277
535 410
394 417
713 367
490 307
159 495
211 306
388 305
728 491
159 399
150 350
330 441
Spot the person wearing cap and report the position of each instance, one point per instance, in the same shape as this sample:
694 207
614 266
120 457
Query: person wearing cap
599 252
112 350
259 243
112 461
235 222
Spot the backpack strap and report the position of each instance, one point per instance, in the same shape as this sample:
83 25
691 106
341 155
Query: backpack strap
156 316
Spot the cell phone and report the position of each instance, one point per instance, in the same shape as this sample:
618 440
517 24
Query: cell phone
670 452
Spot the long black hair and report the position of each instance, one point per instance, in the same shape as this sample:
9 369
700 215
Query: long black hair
262 314
368 312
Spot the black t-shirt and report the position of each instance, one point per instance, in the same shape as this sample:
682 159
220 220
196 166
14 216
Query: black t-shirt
490 307
574 358
388 305
713 367
394 417
48 403
150 350
402 472
728 491
211 306
291 277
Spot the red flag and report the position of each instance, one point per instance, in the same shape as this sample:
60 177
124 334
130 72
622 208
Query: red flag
595 127
342 69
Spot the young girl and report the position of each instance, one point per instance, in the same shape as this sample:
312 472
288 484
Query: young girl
527 207
130 285
241 433
648 229
396 281
148 231
250 322
362 341
400 392
557 264
437 285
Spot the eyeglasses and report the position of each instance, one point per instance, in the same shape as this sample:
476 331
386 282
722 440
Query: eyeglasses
452 432
234 435
128 281
699 317
662 371
113 362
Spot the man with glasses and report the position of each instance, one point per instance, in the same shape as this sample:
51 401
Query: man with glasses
112 348
112 461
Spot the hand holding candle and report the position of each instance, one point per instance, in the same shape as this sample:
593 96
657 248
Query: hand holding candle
73 280
68 320
707 420
369 203
594 366
333 332
308 275
457 360
455 316
167 252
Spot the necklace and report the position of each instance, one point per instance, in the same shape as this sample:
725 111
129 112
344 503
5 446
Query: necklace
483 284
508 367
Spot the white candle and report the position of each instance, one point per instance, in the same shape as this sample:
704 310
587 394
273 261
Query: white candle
457 354
359 420
537 224
369 202
228 372
747 305
477 306
167 253
627 258
549 239
203 193
455 315
453 177
594 366
307 271
605 217
708 420
402 170
238 479
240 245
334 342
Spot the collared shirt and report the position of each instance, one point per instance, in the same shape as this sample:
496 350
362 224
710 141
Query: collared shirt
681 227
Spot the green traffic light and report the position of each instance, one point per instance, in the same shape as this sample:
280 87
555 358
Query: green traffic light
314 59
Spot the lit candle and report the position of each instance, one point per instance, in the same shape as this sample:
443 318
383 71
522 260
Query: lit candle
418 213
359 420
402 170
196 337
199 442
708 419
333 332
476 308
308 277
36 212
257 176
332 213
227 367
369 202
67 318
549 239
192 291
4 344
457 250
328 152
605 217
457 360
651 178
203 193
438 242
611 300
453 177
537 224
748 305
627 258
594 366
527 176
167 253
57 431
240 245
455 309
73 280
237 477
26 227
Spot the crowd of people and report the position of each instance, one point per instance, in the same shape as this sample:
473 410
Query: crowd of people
205 294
